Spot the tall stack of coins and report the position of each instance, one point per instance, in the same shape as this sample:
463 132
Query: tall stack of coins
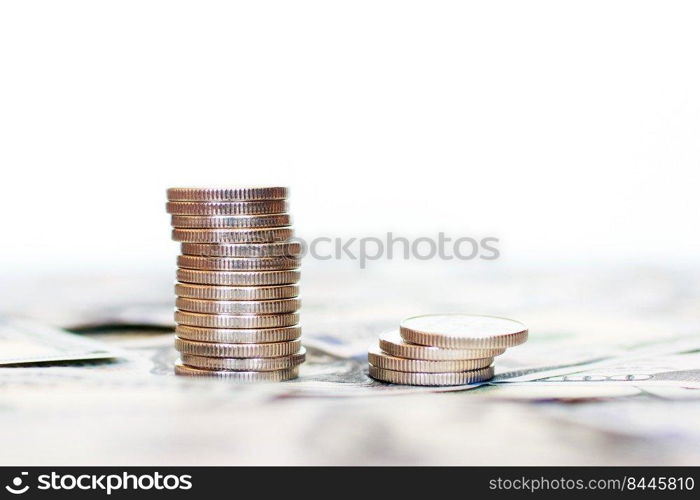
443 349
237 294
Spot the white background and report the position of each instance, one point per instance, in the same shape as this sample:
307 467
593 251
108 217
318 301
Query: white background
571 130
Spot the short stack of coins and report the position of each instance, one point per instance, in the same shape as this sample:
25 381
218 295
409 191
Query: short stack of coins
237 295
443 349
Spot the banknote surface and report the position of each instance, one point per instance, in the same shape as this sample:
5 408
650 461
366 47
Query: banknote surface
23 342
611 350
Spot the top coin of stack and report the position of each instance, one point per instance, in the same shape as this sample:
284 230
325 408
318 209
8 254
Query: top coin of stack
443 349
237 293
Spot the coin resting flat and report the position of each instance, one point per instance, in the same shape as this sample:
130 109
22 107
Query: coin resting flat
217 350
251 376
209 292
285 249
238 278
236 321
436 379
227 194
245 364
463 331
229 221
237 263
392 343
226 208
380 359
238 307
266 235
238 335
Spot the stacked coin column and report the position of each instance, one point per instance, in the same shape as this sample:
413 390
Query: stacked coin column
237 294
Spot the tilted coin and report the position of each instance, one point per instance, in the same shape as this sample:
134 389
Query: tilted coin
237 263
238 335
289 249
238 307
463 331
226 208
238 278
230 222
236 321
392 343
437 379
227 194
268 235
273 350
274 376
213 292
245 364
380 359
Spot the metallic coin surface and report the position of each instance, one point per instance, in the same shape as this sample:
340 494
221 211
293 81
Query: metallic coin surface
226 208
227 194
290 249
237 263
213 292
392 343
238 307
380 359
437 379
230 222
463 331
236 321
274 376
245 364
273 350
238 335
238 278
267 235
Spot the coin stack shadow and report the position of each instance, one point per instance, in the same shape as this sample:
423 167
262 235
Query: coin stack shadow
237 295
443 350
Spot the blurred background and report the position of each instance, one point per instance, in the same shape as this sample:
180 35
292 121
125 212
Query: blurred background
568 130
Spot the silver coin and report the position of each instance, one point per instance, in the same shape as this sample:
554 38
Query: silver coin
245 364
238 307
392 343
267 235
236 321
226 208
274 376
216 350
238 278
380 359
290 249
237 263
436 379
463 331
238 335
212 292
227 194
230 222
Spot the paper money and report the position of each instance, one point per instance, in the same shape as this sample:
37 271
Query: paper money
512 370
342 321
681 370
24 342
344 417
675 424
